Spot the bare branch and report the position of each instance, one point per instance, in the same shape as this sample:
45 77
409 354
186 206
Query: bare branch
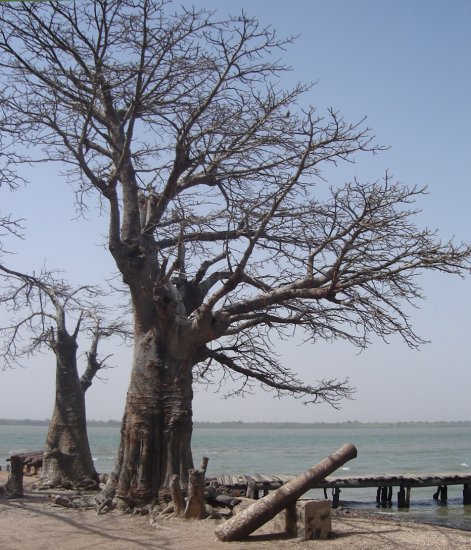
248 362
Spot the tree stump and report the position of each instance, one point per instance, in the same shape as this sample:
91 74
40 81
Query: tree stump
176 494
14 485
195 506
204 464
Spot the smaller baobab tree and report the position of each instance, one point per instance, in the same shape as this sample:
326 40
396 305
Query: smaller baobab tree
40 307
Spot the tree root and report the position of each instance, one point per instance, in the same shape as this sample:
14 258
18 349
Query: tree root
105 499
102 501
78 502
104 507
84 484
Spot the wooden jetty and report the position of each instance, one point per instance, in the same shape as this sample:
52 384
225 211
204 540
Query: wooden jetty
253 485
261 511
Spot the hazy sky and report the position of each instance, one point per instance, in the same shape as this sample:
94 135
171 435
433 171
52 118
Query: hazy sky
407 67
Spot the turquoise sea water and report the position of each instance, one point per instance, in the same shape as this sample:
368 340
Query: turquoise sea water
381 450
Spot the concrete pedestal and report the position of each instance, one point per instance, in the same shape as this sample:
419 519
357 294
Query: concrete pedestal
307 519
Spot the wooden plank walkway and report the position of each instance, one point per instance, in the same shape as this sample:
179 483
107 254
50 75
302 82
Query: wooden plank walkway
394 480
253 484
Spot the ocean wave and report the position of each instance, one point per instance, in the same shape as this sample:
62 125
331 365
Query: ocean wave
464 465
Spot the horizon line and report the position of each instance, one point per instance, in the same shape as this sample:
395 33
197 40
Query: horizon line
255 422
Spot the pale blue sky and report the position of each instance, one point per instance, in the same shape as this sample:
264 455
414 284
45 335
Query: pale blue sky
407 66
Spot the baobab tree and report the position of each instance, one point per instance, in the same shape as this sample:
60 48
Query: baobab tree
39 308
209 171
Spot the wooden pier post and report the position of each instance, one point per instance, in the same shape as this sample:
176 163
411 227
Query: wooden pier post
467 493
441 493
252 491
403 497
335 497
263 510
14 485
384 494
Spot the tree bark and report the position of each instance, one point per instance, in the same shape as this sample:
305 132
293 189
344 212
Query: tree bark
263 510
157 424
67 457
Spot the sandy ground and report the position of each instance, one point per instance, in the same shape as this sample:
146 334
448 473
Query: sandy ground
33 522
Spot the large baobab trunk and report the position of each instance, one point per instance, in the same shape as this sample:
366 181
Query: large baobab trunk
67 456
157 425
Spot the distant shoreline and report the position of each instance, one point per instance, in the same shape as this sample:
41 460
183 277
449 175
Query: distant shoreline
267 425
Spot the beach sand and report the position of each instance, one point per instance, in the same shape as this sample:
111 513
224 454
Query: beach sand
33 522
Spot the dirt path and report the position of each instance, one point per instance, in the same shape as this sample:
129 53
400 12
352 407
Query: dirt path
33 522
